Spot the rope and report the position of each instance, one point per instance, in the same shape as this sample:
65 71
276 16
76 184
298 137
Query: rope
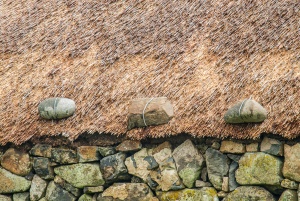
54 107
241 108
145 109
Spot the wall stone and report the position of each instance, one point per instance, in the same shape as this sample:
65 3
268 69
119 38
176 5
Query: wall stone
259 169
186 171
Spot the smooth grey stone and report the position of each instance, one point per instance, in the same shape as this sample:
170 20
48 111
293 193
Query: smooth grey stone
246 111
56 108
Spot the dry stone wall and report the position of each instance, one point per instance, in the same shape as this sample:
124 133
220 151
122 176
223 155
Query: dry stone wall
209 169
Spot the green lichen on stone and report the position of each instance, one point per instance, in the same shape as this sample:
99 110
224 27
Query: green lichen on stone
249 193
85 197
259 169
189 176
11 183
81 175
289 195
206 193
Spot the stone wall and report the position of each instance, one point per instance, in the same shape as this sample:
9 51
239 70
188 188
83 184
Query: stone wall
195 169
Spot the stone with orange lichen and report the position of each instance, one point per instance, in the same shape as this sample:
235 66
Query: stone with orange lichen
16 162
88 153
129 145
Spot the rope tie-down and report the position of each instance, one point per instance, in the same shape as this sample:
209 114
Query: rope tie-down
242 106
145 109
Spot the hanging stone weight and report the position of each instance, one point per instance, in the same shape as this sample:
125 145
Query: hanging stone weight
56 108
247 111
149 112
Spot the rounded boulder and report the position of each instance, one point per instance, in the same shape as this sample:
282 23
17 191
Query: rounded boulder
56 108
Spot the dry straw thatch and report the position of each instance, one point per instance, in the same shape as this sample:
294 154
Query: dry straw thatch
203 55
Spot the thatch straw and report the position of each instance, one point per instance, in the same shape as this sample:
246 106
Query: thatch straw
203 55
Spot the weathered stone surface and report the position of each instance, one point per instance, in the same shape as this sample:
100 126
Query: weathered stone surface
249 193
43 150
158 111
234 157
289 195
168 179
222 194
259 169
202 148
56 193
81 174
11 183
200 184
106 151
286 183
129 192
232 181
164 145
42 167
136 164
29 176
152 162
167 176
68 187
215 145
56 108
253 147
291 164
16 162
204 174
246 111
21 196
113 168
232 147
271 146
93 189
88 154
225 184
85 197
188 162
129 145
205 193
64 156
38 188
5 198
217 167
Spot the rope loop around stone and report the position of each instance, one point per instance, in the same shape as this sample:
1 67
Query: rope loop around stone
145 109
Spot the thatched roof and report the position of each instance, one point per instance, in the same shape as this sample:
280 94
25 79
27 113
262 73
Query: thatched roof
203 55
